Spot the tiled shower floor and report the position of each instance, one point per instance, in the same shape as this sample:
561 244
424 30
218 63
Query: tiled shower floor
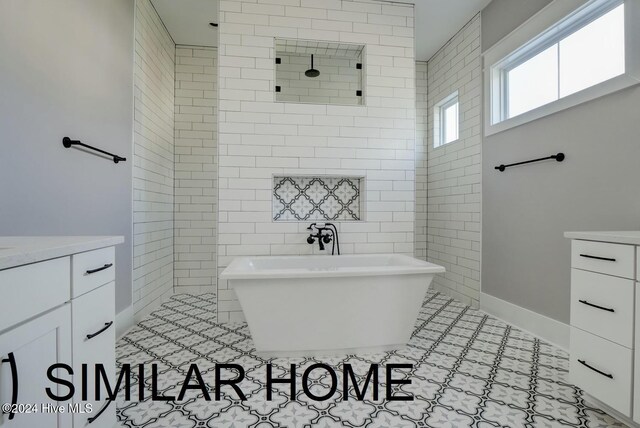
470 370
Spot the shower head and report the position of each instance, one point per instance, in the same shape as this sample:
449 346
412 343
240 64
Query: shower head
312 72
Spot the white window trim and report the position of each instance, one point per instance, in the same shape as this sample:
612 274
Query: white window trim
439 119
541 22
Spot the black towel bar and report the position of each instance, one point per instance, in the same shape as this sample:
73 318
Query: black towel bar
68 142
559 157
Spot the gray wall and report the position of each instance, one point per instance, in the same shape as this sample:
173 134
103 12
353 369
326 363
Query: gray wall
67 69
526 260
501 17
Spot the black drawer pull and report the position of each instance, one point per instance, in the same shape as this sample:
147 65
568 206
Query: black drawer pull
606 259
584 302
595 369
93 418
11 359
107 266
102 330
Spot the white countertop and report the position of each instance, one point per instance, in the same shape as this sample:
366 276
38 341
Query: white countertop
625 237
22 250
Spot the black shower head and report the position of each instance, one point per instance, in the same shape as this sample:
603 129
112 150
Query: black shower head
312 72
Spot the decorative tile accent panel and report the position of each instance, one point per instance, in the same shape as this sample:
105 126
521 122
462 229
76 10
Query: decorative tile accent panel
316 198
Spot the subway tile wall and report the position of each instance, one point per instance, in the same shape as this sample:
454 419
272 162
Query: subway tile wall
153 160
259 138
422 107
453 170
196 174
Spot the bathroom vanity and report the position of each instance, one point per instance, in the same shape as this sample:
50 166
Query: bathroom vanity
605 318
57 305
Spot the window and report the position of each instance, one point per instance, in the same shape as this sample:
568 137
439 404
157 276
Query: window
446 121
586 57
583 55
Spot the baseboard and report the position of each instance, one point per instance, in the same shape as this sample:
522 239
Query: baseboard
541 326
455 295
124 321
612 412
194 289
155 304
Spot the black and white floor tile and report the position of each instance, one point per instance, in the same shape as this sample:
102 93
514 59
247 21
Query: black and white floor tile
469 370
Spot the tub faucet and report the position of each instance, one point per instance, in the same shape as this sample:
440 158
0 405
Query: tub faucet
325 233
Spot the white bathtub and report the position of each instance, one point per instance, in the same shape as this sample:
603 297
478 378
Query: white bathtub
324 305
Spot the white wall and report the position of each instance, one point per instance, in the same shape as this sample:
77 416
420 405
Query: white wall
196 175
259 138
453 170
153 160
526 259
67 70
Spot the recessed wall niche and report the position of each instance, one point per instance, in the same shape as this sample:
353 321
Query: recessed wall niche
319 72
309 198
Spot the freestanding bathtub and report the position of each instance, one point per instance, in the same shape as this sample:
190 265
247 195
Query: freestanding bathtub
324 305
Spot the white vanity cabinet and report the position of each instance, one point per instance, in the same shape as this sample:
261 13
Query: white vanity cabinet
27 351
59 310
605 326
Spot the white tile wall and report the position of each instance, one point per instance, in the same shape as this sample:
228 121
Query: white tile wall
153 160
259 138
422 108
453 170
196 174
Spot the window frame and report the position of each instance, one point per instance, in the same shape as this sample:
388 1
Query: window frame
548 27
439 119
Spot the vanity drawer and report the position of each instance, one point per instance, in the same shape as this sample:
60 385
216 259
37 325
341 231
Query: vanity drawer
602 369
603 305
29 290
92 269
602 257
92 314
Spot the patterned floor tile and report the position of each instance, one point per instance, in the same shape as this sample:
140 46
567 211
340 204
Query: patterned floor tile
469 370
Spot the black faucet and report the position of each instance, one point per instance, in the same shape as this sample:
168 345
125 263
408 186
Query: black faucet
325 233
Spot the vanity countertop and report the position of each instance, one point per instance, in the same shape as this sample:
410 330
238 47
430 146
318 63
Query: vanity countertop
22 250
620 237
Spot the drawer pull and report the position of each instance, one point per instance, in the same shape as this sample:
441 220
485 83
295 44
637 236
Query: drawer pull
107 266
584 302
14 382
595 369
93 418
102 330
606 259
